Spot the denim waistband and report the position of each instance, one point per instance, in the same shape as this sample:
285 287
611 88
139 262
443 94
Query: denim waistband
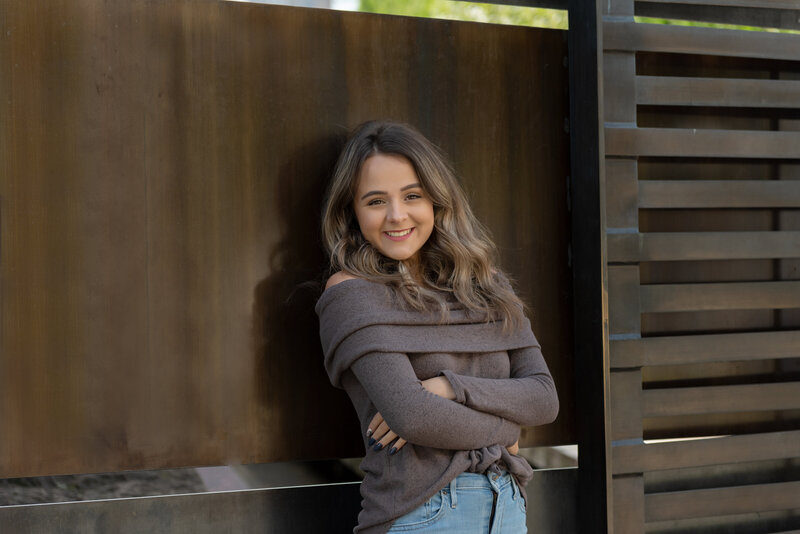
496 482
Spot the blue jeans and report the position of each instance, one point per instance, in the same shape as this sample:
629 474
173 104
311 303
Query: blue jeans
472 503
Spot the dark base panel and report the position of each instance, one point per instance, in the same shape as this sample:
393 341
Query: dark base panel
330 508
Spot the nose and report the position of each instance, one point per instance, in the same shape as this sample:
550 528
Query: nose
397 212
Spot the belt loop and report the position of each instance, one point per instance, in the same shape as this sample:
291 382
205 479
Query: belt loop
514 487
453 494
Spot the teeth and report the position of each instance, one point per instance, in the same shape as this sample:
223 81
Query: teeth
401 233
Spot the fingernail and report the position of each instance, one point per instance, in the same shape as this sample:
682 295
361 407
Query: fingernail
369 432
393 450
371 442
378 446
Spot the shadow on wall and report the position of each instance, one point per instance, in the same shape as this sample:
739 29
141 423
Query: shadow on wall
301 411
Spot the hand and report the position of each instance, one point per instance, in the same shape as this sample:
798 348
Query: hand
440 386
514 449
381 435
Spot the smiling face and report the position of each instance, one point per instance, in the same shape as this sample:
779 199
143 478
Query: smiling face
394 213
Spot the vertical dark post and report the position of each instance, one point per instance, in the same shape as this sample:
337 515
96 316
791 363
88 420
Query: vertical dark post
589 267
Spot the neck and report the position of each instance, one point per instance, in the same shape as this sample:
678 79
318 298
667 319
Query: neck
414 267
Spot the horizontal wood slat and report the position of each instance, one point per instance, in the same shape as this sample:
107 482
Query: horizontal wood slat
701 143
719 194
722 501
721 399
635 37
687 246
719 296
768 4
721 92
676 350
703 452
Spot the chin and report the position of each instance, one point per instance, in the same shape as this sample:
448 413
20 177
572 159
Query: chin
396 257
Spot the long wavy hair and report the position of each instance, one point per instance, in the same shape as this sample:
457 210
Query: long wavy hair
458 259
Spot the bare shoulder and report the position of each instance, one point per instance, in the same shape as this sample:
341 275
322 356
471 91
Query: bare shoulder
338 278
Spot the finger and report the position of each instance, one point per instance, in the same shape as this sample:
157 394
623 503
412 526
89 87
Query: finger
397 445
387 439
377 420
381 431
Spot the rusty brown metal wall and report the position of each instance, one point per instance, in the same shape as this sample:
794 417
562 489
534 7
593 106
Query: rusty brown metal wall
163 165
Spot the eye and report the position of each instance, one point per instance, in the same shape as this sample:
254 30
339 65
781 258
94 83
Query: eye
413 196
375 202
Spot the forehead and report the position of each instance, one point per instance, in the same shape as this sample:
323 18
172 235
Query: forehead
386 172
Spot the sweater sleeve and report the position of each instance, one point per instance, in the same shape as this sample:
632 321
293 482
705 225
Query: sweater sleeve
421 417
528 398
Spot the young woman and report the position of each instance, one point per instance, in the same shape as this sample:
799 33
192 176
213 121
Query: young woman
422 329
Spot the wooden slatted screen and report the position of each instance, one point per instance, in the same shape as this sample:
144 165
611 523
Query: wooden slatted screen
702 145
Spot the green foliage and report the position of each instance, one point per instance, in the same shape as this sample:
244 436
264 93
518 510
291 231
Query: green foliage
520 16
650 20
448 9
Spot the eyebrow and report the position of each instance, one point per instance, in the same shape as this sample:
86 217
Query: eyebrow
409 186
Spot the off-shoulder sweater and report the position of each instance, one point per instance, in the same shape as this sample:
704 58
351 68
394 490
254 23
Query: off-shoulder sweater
380 352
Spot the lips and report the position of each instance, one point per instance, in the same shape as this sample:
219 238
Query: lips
399 235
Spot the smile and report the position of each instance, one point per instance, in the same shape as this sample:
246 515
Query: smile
399 235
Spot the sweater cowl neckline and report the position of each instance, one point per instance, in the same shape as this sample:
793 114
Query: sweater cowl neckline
367 302
358 317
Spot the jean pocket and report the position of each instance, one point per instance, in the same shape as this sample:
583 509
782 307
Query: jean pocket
430 511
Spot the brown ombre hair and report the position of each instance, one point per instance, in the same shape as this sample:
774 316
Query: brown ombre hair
459 258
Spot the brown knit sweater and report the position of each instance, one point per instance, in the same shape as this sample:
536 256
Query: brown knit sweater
379 352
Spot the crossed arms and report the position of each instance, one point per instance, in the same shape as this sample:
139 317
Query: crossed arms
482 412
